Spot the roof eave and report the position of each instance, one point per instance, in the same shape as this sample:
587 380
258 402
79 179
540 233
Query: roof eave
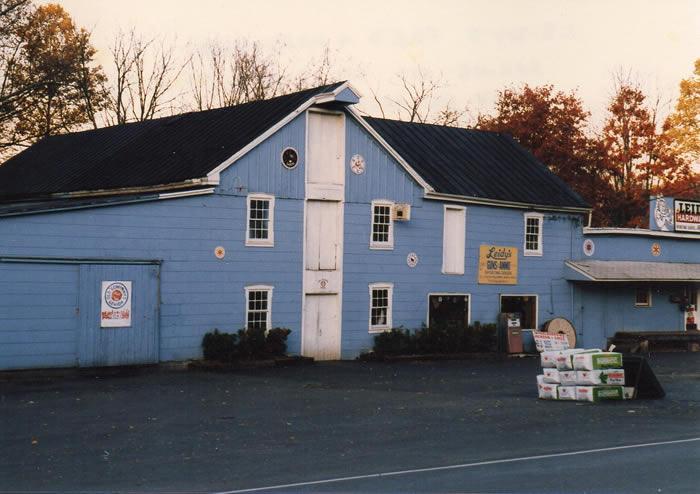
440 196
314 100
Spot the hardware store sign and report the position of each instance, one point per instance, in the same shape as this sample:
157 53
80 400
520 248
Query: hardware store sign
687 216
115 310
498 265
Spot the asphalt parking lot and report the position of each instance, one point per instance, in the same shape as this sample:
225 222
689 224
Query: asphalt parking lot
454 426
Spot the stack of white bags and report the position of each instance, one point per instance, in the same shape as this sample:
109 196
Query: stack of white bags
583 375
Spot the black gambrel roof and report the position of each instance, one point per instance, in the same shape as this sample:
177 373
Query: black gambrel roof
154 152
475 163
174 150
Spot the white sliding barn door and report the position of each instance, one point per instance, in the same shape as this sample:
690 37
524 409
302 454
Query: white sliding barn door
323 236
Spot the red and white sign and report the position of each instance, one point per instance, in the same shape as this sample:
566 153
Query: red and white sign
545 342
687 216
115 306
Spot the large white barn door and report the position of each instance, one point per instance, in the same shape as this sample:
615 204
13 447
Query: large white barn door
323 236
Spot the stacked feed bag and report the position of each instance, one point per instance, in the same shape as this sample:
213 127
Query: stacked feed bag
583 375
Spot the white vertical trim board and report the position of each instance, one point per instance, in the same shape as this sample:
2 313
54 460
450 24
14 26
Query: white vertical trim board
449 294
259 288
453 239
540 227
261 242
380 245
379 328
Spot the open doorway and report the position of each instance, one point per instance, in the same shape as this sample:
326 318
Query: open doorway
525 305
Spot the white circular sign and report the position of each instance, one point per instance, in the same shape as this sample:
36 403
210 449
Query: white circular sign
357 164
220 252
588 247
116 295
412 260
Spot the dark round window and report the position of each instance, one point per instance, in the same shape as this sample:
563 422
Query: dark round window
290 158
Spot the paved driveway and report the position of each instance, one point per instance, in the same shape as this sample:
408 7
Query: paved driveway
467 426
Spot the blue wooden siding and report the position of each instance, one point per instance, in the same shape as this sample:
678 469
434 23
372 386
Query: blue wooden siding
385 179
136 344
261 170
604 309
38 315
638 248
198 291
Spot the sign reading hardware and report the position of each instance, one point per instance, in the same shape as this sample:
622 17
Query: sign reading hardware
687 216
498 265
115 310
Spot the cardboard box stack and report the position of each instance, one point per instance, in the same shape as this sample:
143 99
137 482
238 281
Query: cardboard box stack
582 375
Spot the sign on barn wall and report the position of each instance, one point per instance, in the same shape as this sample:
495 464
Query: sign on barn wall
498 265
115 311
687 216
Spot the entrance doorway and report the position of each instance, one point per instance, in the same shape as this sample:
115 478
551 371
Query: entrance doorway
448 310
525 305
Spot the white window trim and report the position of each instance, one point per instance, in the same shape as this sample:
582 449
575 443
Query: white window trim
537 306
390 308
648 298
261 242
444 237
449 294
259 288
539 250
389 245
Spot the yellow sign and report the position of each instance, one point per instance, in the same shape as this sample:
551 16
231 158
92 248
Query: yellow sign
498 265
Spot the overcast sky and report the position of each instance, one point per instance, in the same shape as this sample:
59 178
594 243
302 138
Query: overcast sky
478 47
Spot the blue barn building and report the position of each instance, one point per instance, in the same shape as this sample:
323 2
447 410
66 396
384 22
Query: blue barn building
126 244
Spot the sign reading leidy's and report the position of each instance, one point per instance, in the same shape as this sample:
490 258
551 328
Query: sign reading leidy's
115 310
687 216
498 265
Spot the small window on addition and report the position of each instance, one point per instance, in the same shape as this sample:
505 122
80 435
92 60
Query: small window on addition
258 303
380 306
642 297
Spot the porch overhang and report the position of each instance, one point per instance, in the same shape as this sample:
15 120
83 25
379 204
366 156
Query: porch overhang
631 271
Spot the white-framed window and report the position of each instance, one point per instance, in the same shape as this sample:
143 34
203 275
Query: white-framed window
532 243
258 302
260 224
382 231
380 306
453 239
642 297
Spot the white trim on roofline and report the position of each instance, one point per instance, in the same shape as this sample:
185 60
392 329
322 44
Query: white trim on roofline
642 232
185 193
317 99
429 191
571 264
355 114
439 196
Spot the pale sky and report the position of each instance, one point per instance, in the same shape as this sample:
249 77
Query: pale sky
477 47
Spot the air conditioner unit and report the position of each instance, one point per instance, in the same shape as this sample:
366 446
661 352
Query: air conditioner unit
401 212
